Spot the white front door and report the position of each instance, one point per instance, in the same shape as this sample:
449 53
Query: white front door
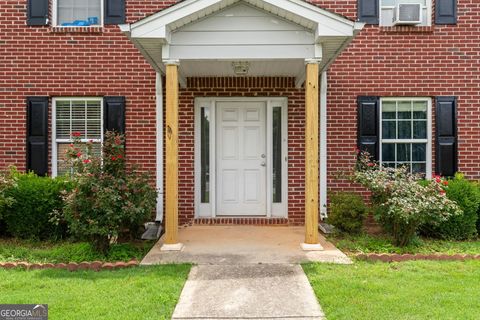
241 159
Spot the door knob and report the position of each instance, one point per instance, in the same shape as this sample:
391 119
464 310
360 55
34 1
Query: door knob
263 164
263 155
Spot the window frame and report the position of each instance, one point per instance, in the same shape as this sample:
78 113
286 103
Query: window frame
428 140
429 14
55 16
55 141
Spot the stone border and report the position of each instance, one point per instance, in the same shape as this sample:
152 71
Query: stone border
395 257
71 266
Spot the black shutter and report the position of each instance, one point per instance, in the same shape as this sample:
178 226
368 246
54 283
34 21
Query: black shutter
114 114
114 12
368 11
37 135
37 12
446 11
446 136
368 124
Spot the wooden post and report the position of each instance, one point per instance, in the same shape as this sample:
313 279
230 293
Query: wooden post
171 161
311 156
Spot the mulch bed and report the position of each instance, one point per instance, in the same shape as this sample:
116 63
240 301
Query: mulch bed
72 266
411 257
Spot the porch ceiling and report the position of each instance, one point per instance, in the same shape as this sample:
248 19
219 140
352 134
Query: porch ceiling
274 36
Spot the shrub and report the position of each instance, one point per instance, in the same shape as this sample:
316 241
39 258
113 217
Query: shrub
33 199
347 212
6 182
404 203
459 227
109 197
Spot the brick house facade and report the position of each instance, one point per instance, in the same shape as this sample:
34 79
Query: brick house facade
426 60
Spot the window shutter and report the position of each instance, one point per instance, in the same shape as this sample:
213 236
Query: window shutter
368 125
368 11
37 135
446 11
114 12
114 114
37 12
446 136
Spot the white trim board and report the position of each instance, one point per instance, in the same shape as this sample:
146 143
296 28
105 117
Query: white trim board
208 210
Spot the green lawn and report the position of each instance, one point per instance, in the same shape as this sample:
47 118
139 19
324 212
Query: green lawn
136 293
407 290
382 244
12 250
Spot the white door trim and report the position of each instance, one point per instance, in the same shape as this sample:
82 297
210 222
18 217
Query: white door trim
208 210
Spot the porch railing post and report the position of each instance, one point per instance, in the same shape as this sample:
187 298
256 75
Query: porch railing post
171 241
311 156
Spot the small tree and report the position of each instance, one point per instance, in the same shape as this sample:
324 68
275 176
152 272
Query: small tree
109 196
404 203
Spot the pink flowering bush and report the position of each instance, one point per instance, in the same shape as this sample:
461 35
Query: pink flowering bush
405 202
109 197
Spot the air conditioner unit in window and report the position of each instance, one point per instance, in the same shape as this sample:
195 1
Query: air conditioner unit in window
407 14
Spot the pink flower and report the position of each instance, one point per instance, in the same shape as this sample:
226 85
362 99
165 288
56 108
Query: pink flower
87 161
71 145
371 164
79 154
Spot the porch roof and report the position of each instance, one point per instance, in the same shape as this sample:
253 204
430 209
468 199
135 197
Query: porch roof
290 32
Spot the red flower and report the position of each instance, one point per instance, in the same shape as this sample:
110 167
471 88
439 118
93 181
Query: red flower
113 158
371 164
442 192
71 145
120 157
76 134
438 179
79 154
87 161
445 183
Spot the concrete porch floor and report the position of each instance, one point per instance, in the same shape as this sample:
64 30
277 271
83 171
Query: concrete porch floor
236 245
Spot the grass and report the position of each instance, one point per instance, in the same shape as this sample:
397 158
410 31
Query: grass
382 244
12 250
136 293
408 290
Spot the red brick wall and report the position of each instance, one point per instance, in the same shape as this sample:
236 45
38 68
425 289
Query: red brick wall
406 61
243 87
441 60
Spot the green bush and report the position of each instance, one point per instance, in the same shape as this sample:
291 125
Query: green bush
404 204
459 227
33 200
347 212
109 197
6 182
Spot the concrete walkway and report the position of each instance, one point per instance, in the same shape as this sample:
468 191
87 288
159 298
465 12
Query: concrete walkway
272 291
246 272
231 245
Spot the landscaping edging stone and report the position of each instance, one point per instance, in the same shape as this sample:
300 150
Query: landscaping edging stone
71 266
395 257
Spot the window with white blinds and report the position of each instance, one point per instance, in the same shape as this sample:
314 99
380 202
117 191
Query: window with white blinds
71 115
